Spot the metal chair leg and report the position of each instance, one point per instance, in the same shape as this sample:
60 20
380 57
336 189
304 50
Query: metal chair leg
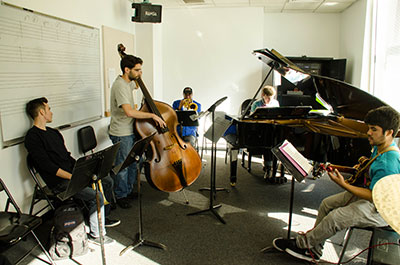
346 240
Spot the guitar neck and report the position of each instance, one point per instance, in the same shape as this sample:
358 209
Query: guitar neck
345 169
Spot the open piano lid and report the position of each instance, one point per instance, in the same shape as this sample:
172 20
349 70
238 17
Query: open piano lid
336 96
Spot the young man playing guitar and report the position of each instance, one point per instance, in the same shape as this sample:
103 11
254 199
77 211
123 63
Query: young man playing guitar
354 206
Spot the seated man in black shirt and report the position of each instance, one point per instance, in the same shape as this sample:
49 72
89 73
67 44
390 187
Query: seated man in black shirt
54 162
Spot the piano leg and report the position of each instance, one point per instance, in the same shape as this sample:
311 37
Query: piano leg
233 157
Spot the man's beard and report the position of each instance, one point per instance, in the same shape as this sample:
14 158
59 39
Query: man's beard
132 78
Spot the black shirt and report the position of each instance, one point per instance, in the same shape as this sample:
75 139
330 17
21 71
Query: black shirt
49 153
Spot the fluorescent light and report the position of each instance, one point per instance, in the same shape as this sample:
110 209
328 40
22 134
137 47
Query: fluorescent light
330 3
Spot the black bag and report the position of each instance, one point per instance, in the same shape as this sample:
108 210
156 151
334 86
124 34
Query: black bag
68 237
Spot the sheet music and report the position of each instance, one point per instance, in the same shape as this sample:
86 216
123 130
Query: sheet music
297 159
220 126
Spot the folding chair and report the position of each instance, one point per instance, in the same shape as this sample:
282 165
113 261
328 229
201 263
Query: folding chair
15 226
87 139
41 191
87 142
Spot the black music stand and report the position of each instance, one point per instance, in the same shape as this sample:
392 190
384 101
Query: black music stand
92 168
213 190
106 158
296 175
134 156
184 118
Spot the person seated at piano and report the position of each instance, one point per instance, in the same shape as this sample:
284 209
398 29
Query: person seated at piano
267 99
54 163
353 207
189 133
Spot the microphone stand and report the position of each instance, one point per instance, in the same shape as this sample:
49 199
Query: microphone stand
213 190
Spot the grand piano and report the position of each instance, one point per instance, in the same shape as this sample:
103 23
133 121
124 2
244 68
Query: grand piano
328 127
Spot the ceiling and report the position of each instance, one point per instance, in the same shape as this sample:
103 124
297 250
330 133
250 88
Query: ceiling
270 6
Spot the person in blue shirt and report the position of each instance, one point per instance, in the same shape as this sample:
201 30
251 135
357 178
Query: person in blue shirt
354 206
189 133
267 99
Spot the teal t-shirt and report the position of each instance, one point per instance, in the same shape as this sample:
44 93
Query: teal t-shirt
384 165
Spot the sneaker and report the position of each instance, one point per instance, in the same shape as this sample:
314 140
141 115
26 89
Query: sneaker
302 253
123 203
111 223
96 240
282 244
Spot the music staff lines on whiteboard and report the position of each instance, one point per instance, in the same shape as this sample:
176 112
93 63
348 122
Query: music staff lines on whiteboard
41 55
55 80
32 30
31 55
12 106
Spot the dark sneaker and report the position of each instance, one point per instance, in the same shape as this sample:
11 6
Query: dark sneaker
302 253
96 240
123 203
282 244
111 223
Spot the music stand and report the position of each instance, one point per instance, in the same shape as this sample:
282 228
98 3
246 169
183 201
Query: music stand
213 190
106 158
134 156
87 169
184 117
296 176
82 173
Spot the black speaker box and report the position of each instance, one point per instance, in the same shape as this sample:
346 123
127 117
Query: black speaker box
146 12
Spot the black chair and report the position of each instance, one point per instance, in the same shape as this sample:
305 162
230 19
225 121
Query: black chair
87 139
244 106
87 142
41 191
15 226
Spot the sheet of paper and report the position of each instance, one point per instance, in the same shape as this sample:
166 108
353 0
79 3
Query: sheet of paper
297 159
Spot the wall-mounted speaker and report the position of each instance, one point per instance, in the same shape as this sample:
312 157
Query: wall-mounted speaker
146 12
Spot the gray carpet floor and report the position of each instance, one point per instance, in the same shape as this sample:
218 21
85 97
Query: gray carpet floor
255 213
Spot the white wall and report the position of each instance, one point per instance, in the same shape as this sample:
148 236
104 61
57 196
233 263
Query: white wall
115 14
352 31
296 34
313 35
210 51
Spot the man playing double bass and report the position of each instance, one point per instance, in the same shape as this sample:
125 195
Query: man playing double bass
123 114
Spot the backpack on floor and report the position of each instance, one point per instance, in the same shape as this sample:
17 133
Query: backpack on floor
68 237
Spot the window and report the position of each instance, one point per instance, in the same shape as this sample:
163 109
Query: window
386 80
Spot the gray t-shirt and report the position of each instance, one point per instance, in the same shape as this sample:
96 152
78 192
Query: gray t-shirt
121 93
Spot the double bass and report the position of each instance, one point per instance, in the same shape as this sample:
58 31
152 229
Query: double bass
171 164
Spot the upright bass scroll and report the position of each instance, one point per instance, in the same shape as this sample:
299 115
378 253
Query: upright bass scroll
172 164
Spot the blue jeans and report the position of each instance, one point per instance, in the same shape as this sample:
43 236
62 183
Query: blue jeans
125 179
108 186
88 195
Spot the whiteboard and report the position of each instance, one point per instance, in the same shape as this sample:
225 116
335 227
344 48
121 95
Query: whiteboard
42 56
